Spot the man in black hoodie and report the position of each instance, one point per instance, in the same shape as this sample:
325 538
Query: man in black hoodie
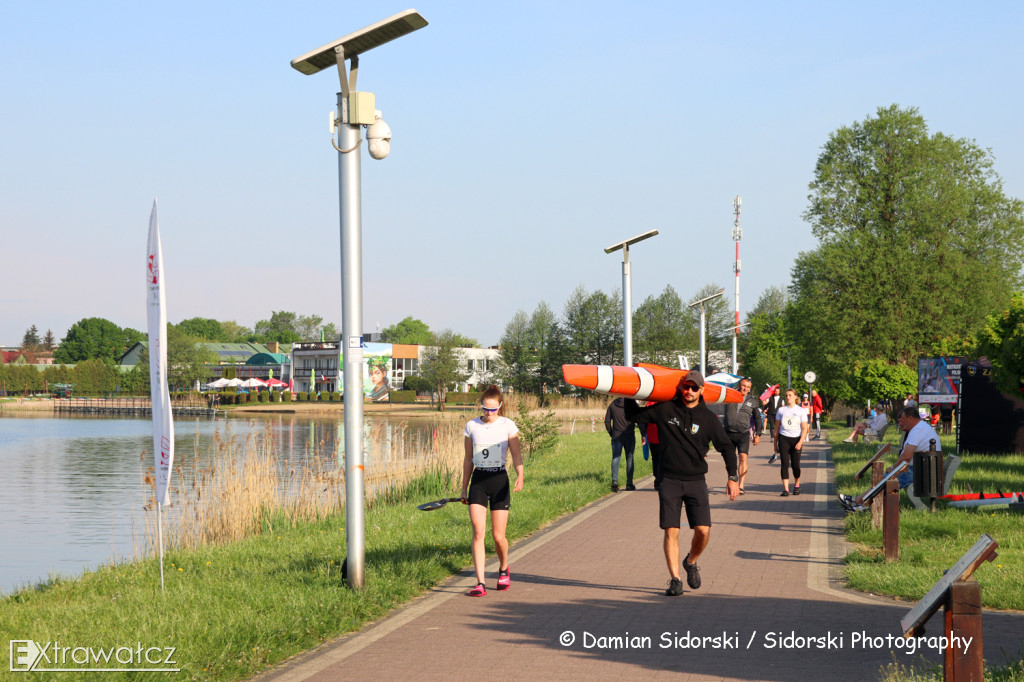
688 427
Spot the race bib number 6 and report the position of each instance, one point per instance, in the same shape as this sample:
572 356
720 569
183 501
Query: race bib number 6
487 455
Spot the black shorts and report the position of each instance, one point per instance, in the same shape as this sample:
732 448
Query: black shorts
673 494
740 440
492 487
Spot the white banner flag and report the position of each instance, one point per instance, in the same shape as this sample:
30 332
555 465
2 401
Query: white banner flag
163 423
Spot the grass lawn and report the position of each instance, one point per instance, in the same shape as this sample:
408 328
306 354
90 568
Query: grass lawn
234 610
931 542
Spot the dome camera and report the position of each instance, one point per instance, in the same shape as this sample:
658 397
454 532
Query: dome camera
378 135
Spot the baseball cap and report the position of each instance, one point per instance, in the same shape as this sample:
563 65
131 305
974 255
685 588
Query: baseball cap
694 377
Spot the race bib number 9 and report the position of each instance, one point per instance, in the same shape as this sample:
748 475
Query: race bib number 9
487 456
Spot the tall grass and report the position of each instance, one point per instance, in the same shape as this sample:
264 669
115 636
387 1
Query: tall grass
243 484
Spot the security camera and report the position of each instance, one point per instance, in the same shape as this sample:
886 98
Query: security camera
378 135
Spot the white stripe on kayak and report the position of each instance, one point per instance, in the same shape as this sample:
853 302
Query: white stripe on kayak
646 383
604 378
721 396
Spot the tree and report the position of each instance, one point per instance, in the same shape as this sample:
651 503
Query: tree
763 356
662 329
308 327
718 319
95 376
204 329
442 365
30 341
515 354
49 343
548 351
592 327
876 380
1002 342
95 337
917 243
410 331
234 332
280 328
187 360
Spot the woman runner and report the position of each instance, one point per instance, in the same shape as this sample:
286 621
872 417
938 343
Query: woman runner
791 429
488 440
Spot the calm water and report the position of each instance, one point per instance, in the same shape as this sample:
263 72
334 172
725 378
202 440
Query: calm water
72 492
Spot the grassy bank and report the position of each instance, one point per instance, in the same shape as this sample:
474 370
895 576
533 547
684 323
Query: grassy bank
931 542
234 609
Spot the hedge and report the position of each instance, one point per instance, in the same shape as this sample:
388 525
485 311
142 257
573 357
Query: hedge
470 398
402 396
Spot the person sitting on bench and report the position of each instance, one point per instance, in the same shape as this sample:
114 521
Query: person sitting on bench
919 436
872 427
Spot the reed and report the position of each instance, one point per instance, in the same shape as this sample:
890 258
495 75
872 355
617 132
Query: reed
242 486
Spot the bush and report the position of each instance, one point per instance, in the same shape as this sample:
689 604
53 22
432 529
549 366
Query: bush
336 398
324 397
403 396
300 396
286 396
454 398
262 396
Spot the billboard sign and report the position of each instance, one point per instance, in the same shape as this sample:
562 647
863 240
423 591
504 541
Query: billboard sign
938 379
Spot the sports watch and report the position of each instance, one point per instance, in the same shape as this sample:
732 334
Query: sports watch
734 478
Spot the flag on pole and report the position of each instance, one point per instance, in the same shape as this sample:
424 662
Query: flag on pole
163 424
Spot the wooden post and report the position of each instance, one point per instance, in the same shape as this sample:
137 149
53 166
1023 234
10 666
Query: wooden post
877 472
891 520
963 619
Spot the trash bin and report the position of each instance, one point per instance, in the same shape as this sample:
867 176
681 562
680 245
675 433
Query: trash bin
927 474
851 420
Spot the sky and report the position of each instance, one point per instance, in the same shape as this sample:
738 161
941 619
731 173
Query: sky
527 137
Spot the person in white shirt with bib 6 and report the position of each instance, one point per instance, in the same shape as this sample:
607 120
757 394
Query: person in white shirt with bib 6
489 439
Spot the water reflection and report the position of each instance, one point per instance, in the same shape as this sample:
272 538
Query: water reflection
73 495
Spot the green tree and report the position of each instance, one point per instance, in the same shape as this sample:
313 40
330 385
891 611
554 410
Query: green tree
1002 342
31 341
917 243
662 329
548 352
204 329
515 361
234 332
95 376
308 327
592 327
442 364
280 328
718 318
95 337
876 380
187 361
410 330
763 356
49 343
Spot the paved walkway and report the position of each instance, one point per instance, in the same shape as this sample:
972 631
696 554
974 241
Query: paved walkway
587 601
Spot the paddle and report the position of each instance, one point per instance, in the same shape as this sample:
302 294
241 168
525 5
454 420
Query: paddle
437 504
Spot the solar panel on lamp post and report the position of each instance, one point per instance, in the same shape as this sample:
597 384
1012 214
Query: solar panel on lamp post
354 109
627 294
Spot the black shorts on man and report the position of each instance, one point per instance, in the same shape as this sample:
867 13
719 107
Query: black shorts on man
675 494
740 440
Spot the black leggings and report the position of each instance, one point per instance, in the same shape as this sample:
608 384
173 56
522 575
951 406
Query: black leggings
789 453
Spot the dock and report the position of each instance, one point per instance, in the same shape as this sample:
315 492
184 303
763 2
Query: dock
128 407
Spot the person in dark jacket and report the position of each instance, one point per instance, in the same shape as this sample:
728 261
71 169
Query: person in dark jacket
685 429
739 417
623 433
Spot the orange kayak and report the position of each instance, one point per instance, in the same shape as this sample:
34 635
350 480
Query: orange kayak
643 382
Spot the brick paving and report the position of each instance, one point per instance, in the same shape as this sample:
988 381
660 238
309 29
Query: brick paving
597 578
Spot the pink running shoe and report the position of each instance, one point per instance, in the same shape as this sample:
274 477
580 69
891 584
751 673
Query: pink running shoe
504 582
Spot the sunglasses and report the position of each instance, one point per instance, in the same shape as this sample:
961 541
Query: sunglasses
691 387
490 409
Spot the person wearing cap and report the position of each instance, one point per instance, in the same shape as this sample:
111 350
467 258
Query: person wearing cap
686 427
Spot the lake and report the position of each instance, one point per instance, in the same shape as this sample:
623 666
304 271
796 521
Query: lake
73 493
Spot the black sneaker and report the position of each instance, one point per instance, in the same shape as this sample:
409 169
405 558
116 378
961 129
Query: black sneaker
845 500
775 456
615 487
692 573
630 486
675 588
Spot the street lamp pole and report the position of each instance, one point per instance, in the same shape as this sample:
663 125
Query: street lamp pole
737 235
627 294
354 110
700 303
789 366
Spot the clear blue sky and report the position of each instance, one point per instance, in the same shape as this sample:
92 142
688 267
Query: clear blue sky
527 137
